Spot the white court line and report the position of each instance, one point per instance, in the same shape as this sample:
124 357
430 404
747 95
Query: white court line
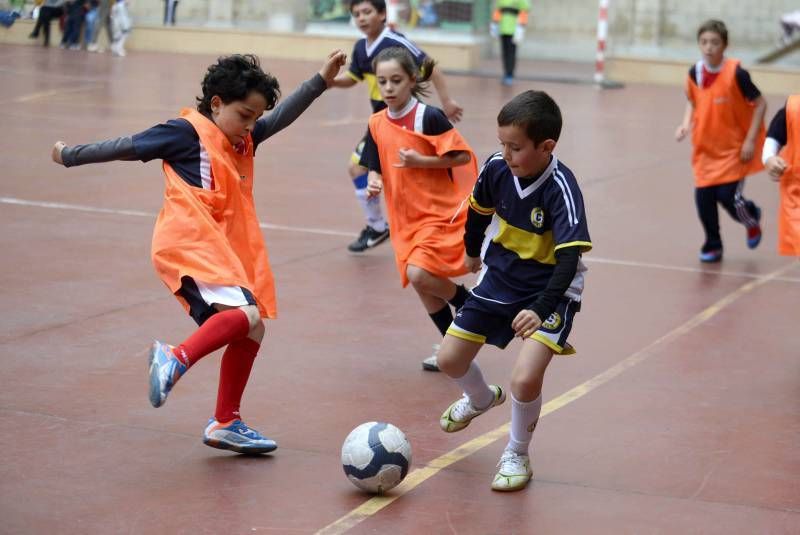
328 232
139 213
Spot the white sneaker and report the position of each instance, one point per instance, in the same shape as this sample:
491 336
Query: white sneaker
515 472
460 413
430 364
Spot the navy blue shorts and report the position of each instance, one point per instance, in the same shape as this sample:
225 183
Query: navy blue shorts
486 322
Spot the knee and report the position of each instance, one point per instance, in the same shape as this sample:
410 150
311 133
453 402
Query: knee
418 277
451 363
257 331
526 388
253 316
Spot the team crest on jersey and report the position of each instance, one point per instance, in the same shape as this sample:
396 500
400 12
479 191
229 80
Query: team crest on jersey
537 217
553 322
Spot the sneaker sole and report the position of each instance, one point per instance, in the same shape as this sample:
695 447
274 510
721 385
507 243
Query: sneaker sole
514 488
237 448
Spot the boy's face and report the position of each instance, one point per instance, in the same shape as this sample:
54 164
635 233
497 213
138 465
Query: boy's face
369 20
238 118
712 47
394 84
524 158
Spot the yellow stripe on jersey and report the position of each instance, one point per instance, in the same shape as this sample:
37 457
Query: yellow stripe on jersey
584 245
354 77
372 84
527 245
478 208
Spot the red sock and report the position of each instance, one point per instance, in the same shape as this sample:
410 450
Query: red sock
219 330
233 375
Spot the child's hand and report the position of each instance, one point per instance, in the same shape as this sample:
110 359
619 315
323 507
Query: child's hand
775 167
374 184
409 158
330 69
681 132
748 149
526 323
56 154
452 110
472 263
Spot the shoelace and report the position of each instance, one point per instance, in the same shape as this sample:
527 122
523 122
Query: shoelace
463 410
511 462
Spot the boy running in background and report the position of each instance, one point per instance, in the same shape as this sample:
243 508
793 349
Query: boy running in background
725 113
784 167
207 244
427 170
370 17
527 227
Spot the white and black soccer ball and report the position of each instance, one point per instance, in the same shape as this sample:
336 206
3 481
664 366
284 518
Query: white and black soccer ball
376 456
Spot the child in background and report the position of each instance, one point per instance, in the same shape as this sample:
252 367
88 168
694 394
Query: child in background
427 170
370 17
509 19
207 244
527 226
120 27
725 113
784 167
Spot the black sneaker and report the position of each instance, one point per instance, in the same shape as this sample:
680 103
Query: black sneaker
368 238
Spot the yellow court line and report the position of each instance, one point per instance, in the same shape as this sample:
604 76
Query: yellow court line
419 475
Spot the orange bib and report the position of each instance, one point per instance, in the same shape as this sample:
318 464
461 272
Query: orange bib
213 235
722 117
789 209
427 208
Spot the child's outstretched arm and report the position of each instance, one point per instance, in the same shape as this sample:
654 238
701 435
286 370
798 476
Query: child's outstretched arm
111 150
295 104
412 158
686 124
451 107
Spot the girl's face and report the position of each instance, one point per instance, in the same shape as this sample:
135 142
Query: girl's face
238 118
524 158
712 47
394 83
368 19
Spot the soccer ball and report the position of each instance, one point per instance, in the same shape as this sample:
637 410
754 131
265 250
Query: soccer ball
376 456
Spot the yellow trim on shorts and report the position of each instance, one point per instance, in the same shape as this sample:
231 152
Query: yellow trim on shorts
585 246
557 349
466 335
478 208
355 158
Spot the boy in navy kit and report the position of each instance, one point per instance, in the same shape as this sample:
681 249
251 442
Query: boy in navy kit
526 231
370 17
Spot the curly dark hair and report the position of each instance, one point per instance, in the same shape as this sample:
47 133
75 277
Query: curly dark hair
233 78
536 113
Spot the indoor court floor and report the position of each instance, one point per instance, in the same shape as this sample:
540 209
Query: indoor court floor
679 414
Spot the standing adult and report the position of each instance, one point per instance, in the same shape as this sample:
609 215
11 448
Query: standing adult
170 7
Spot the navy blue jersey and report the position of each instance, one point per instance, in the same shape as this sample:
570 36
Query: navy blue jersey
363 54
530 221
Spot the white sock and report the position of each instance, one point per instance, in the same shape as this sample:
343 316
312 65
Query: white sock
524 416
372 210
476 389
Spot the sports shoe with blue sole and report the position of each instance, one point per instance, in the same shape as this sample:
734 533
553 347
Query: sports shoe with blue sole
754 233
236 436
165 370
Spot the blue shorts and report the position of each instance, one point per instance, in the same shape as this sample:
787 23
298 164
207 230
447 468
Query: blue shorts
486 322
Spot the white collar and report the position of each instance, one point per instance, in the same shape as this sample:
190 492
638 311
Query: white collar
370 47
402 113
539 181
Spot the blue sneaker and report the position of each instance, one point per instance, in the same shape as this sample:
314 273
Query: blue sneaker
508 80
714 255
236 436
165 370
754 233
